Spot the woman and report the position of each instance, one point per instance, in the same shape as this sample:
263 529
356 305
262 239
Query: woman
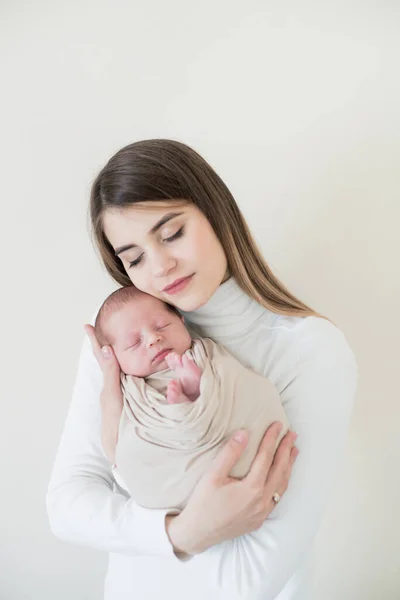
164 221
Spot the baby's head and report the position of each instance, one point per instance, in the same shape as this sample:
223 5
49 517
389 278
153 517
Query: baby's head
142 330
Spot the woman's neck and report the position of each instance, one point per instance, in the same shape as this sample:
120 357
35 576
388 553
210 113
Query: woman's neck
229 311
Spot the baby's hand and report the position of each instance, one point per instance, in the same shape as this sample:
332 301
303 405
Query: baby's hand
189 375
175 393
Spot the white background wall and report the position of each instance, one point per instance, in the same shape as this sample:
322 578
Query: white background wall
296 105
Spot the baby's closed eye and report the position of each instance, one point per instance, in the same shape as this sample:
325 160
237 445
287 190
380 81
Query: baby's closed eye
134 345
163 326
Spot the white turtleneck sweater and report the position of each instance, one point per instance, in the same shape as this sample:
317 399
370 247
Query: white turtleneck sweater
314 370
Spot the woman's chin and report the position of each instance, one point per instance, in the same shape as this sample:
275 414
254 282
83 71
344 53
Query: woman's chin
191 301
189 304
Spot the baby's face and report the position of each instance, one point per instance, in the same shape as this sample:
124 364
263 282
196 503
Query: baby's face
143 332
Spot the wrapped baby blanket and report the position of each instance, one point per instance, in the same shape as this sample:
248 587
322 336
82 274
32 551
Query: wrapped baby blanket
164 449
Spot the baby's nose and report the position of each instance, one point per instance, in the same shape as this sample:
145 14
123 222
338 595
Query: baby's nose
154 338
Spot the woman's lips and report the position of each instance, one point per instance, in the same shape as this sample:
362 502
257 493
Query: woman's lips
178 285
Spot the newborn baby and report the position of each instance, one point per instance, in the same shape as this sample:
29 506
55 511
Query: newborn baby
182 399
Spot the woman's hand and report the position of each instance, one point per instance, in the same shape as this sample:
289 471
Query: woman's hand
221 507
111 401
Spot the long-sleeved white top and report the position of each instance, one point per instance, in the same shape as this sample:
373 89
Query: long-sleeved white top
314 369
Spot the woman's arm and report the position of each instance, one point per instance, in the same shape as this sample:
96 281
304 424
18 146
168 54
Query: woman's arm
81 503
318 403
84 509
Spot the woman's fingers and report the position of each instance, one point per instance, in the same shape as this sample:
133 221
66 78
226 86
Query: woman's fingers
263 459
283 452
106 358
227 457
281 468
293 455
89 330
111 400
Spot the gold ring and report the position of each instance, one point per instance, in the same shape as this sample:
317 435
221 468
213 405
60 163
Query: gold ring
276 497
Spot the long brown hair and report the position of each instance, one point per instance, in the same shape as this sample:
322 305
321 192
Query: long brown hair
166 170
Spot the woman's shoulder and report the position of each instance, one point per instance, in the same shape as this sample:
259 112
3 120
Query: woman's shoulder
318 328
313 337
308 336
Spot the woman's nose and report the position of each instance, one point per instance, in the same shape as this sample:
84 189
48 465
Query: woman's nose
162 263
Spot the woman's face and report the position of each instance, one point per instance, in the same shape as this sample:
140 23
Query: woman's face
168 251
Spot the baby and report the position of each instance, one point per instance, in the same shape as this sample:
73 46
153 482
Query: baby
148 336
182 398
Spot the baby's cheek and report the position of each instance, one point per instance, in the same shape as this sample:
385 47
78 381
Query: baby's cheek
124 364
119 357
187 342
179 339
128 364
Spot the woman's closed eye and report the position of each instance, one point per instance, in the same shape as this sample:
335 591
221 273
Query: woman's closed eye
135 262
175 236
172 238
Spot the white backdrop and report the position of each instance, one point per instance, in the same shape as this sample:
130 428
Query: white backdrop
296 105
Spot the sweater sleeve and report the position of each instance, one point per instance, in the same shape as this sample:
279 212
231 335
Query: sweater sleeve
82 505
318 401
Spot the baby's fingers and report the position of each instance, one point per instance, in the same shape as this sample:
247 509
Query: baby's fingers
173 361
175 393
190 366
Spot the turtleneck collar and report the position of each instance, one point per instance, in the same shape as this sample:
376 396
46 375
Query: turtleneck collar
228 312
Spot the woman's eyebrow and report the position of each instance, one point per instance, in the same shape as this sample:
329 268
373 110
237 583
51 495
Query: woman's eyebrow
155 227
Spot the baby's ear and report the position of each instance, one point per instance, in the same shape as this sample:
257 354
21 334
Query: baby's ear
183 319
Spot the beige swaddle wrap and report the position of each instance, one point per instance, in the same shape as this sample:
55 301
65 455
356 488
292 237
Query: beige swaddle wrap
164 449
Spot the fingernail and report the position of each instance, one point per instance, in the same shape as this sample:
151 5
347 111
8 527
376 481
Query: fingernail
239 436
279 428
106 352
